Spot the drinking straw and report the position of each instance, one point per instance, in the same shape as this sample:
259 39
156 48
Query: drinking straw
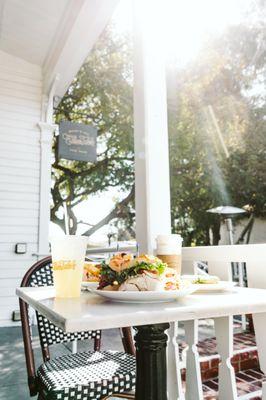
66 218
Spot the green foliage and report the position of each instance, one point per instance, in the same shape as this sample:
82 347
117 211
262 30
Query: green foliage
100 95
212 96
217 131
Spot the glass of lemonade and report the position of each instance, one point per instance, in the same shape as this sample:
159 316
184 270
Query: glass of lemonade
68 257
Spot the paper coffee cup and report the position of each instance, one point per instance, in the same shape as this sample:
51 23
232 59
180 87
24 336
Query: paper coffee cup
169 249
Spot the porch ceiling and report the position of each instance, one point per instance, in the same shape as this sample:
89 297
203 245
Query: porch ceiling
27 28
53 34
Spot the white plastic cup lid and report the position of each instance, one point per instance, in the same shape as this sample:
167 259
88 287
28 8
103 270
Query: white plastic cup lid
73 238
169 239
68 247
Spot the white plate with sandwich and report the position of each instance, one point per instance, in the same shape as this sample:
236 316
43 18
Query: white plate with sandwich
145 296
209 283
144 279
91 275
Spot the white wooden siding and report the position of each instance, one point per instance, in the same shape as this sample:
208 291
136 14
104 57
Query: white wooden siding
20 108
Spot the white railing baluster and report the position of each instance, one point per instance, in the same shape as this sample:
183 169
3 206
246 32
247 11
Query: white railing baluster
224 336
75 346
259 321
193 376
174 382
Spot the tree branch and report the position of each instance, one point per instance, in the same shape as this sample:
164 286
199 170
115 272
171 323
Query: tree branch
58 221
67 171
115 213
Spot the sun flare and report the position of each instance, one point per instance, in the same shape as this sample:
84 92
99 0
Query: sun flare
184 24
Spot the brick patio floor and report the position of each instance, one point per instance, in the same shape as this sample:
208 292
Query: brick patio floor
248 385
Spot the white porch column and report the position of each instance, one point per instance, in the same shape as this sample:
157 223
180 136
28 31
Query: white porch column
46 137
150 126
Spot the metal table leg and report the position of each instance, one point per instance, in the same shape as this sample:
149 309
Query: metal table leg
151 342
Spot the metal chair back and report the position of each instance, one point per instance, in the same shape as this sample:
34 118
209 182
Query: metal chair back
40 274
49 333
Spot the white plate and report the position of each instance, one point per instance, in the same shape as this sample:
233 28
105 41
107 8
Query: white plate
221 286
145 297
89 285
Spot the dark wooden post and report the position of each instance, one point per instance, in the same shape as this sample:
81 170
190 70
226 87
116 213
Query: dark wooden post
127 341
151 342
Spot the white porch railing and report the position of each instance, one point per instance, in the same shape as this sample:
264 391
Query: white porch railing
219 260
102 250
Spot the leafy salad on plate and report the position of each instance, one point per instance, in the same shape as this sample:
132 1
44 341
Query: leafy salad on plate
123 272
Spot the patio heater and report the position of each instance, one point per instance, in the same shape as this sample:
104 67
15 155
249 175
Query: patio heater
227 213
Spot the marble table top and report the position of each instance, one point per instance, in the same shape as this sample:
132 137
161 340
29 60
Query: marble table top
91 312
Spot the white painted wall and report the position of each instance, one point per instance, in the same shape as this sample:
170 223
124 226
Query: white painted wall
20 112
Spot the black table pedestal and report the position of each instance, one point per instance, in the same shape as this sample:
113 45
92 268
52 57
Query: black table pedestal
151 342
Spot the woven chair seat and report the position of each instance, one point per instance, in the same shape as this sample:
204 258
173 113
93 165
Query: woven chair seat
87 375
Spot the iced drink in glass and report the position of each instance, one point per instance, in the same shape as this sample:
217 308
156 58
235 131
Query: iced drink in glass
68 257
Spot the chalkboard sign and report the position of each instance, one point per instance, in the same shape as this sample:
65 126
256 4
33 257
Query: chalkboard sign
77 142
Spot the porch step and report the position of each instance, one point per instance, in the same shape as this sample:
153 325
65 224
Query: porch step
245 355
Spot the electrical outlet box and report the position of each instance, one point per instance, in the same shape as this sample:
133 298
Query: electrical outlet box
16 316
21 248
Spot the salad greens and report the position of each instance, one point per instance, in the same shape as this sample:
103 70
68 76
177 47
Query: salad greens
200 280
109 276
205 279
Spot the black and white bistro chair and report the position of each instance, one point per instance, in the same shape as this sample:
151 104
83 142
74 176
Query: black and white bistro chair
88 375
